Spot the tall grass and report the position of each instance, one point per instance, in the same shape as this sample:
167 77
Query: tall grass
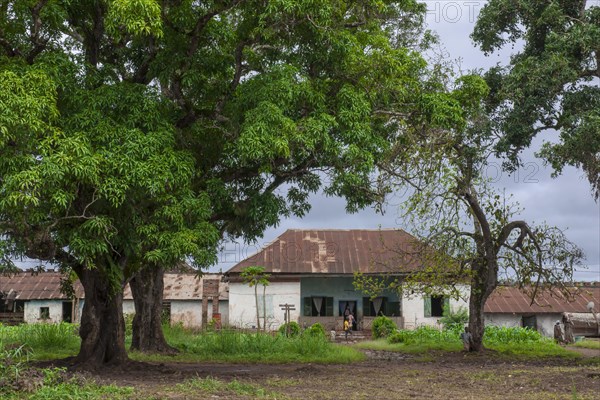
237 346
589 344
50 341
44 340
514 341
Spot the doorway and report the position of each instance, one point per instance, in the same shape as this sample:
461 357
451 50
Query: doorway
348 307
67 311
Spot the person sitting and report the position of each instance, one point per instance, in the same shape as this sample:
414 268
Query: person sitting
466 338
558 333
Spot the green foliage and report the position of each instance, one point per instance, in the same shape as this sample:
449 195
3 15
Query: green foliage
211 385
41 336
549 84
236 346
254 276
383 327
422 335
504 335
129 324
588 344
315 330
292 327
13 364
455 320
514 342
135 134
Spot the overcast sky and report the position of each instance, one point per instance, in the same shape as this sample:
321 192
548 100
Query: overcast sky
565 201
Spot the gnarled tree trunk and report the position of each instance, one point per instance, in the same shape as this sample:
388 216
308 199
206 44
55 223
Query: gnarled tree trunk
483 284
102 328
147 290
476 318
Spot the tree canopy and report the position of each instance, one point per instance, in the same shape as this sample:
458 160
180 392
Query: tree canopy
552 84
139 132
467 232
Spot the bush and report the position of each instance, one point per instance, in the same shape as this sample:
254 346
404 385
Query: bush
383 327
294 329
315 330
423 334
455 321
504 335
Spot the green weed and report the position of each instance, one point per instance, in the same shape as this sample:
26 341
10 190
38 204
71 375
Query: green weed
211 385
589 344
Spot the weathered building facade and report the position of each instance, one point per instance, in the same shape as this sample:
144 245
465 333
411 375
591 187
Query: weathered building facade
508 306
33 297
314 271
189 299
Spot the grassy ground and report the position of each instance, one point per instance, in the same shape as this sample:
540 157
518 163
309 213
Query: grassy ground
589 344
515 343
55 341
234 365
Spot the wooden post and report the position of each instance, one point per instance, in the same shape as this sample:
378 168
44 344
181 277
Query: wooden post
287 308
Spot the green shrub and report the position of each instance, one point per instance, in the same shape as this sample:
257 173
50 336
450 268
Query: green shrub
129 324
315 330
505 335
422 335
383 327
294 329
455 320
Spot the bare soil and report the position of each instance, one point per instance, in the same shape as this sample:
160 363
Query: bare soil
383 375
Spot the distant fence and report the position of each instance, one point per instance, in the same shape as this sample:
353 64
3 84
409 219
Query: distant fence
12 318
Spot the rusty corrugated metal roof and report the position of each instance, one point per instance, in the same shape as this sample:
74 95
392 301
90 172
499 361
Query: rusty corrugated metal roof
186 286
508 299
28 285
336 251
46 286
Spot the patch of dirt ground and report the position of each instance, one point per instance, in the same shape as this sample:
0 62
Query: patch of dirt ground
383 375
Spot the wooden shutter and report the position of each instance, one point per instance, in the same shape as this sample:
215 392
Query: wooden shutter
393 309
329 306
446 306
366 307
427 306
307 307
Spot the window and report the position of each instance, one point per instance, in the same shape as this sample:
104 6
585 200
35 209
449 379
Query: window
529 322
434 305
44 312
380 306
165 314
318 306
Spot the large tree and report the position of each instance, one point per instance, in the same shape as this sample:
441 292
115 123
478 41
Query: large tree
553 83
467 232
136 133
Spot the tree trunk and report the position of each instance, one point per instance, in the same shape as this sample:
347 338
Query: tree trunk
264 308
476 319
102 328
257 309
147 290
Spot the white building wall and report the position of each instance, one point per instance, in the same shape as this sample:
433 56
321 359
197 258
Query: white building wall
242 304
187 312
413 307
128 307
32 311
545 322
